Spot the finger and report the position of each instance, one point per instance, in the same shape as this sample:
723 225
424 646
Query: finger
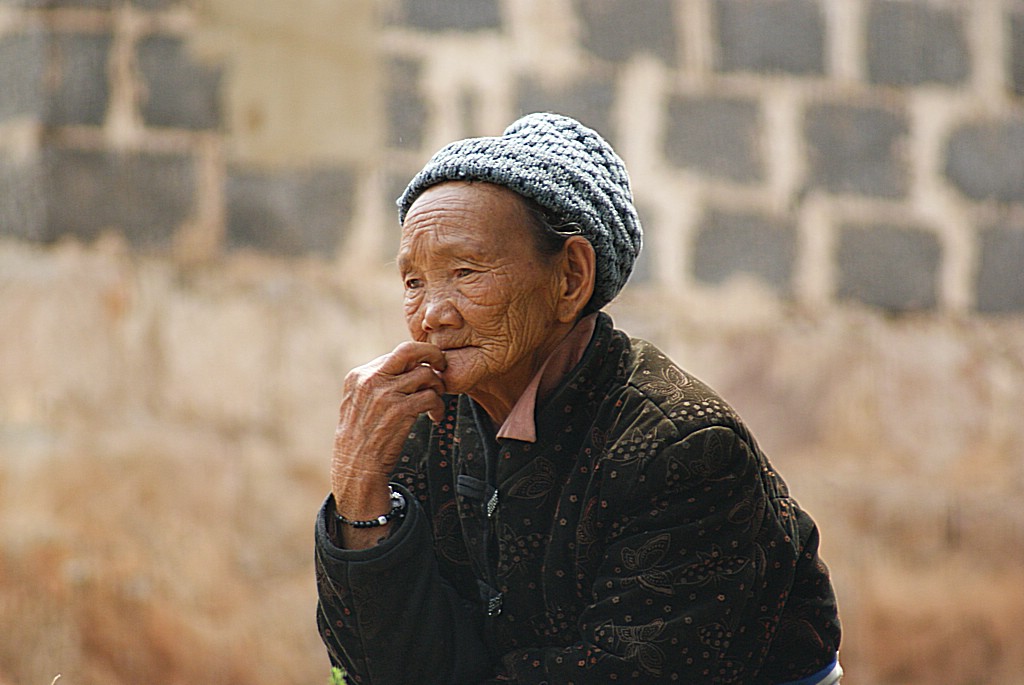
428 402
436 413
419 378
410 354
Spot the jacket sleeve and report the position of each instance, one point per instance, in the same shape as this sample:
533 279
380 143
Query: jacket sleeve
386 614
695 571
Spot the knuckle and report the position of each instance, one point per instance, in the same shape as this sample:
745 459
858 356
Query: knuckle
404 349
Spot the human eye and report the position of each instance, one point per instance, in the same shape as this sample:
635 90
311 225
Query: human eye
413 283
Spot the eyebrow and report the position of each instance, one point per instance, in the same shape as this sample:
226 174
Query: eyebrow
468 253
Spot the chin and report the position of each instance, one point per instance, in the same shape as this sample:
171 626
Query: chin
456 380
462 374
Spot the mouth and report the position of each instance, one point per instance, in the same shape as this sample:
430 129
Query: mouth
446 350
452 348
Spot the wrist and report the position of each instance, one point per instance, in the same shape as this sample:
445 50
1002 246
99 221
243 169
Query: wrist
396 510
361 496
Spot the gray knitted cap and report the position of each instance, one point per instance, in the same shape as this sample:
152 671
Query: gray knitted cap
563 166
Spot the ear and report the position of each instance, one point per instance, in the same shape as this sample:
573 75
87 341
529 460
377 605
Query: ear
578 271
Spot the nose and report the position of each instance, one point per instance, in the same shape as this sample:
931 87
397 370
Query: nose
439 311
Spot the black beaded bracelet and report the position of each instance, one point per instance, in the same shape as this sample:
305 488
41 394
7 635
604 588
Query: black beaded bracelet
397 511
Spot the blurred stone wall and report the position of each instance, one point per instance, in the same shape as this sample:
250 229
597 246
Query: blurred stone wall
197 223
826 151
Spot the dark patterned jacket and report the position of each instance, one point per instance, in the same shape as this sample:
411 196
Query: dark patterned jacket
643 538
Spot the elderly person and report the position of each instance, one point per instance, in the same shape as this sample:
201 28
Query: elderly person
522 493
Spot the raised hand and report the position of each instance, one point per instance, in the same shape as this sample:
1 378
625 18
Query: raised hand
380 401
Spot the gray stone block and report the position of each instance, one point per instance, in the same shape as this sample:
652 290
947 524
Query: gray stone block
770 36
146 197
1001 269
716 136
616 31
22 200
82 89
451 15
178 92
1016 28
892 267
856 150
290 213
910 43
588 100
407 110
156 5
22 72
71 4
729 245
643 268
986 160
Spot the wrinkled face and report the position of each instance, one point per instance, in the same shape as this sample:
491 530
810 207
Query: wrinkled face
476 286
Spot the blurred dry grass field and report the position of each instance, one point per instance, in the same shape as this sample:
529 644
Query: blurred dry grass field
186 559
163 451
930 582
188 562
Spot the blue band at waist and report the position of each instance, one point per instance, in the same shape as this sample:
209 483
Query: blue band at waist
816 678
